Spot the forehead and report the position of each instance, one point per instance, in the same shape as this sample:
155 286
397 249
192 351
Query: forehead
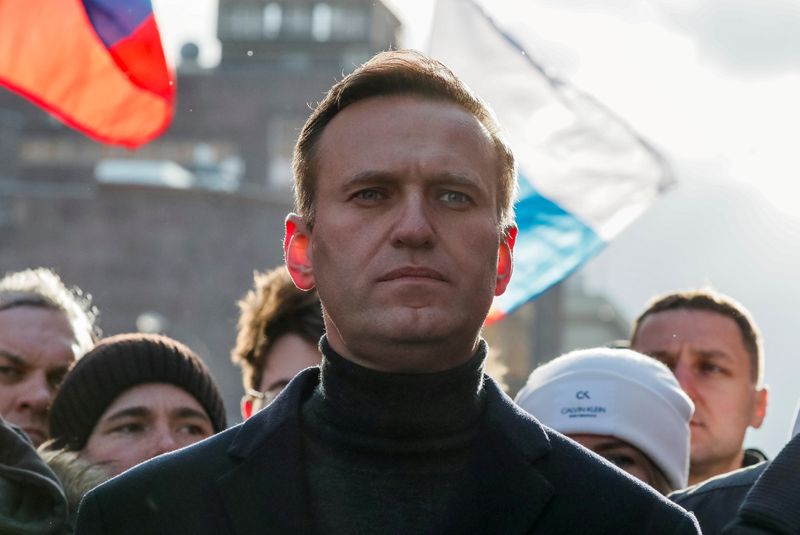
405 133
155 397
704 328
288 355
38 335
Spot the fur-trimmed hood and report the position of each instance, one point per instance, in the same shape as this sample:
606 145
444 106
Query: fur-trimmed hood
78 476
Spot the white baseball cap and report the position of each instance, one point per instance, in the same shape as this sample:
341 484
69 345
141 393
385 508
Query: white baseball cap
616 392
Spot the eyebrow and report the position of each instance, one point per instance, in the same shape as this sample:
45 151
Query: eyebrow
280 383
11 356
144 412
188 412
610 444
16 359
716 353
381 177
130 412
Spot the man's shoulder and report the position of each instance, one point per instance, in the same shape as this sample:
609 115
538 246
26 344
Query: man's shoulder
190 490
729 482
716 501
588 494
177 468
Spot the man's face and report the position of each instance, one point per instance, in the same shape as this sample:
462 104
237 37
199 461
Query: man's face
145 421
706 353
404 250
37 346
290 354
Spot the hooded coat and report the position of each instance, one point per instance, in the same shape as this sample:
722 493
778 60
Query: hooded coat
31 498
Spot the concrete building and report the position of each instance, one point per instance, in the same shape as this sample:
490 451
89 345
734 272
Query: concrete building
166 237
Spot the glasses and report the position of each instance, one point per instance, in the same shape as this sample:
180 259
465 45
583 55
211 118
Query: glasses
261 399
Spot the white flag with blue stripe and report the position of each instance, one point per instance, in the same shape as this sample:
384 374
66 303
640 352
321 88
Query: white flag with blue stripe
584 174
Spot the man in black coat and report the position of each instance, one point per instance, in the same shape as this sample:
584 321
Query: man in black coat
405 227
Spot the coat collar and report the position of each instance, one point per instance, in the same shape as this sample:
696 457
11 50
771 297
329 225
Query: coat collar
267 487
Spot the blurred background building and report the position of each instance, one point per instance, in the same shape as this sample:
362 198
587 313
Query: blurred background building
167 237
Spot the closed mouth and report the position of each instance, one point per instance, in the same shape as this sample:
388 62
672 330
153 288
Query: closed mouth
410 272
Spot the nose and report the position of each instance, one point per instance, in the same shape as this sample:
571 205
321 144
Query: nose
413 226
36 395
683 373
164 440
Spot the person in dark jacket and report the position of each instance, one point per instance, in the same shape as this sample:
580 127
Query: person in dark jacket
277 335
717 501
404 191
773 503
713 346
32 501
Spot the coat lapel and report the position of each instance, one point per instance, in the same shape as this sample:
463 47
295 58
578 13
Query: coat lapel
266 491
509 492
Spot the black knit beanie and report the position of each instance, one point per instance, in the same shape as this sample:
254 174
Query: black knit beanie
118 363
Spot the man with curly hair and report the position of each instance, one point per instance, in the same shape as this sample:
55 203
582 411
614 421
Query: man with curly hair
44 328
277 336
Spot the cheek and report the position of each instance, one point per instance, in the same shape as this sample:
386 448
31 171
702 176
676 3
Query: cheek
185 440
640 472
109 448
8 396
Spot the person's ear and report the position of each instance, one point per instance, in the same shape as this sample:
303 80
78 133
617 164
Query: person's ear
760 409
246 406
505 260
297 252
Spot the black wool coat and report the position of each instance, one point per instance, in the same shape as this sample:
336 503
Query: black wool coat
250 479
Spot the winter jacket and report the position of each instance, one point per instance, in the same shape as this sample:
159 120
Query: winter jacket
773 504
31 499
77 476
525 478
715 501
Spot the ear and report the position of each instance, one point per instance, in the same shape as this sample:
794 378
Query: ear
246 406
505 260
297 252
760 409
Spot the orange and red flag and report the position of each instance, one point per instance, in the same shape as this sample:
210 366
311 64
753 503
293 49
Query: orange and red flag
98 65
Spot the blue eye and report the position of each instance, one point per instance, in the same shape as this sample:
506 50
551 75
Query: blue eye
369 195
455 197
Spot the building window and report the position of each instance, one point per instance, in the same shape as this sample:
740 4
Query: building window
349 23
321 22
242 22
273 15
297 21
282 132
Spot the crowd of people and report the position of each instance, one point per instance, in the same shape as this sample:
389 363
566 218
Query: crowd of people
366 404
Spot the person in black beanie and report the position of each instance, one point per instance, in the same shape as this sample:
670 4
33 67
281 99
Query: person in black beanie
133 397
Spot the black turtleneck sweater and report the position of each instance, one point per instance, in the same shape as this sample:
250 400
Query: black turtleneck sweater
385 452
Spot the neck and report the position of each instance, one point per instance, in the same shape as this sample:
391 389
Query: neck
699 472
404 355
350 396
